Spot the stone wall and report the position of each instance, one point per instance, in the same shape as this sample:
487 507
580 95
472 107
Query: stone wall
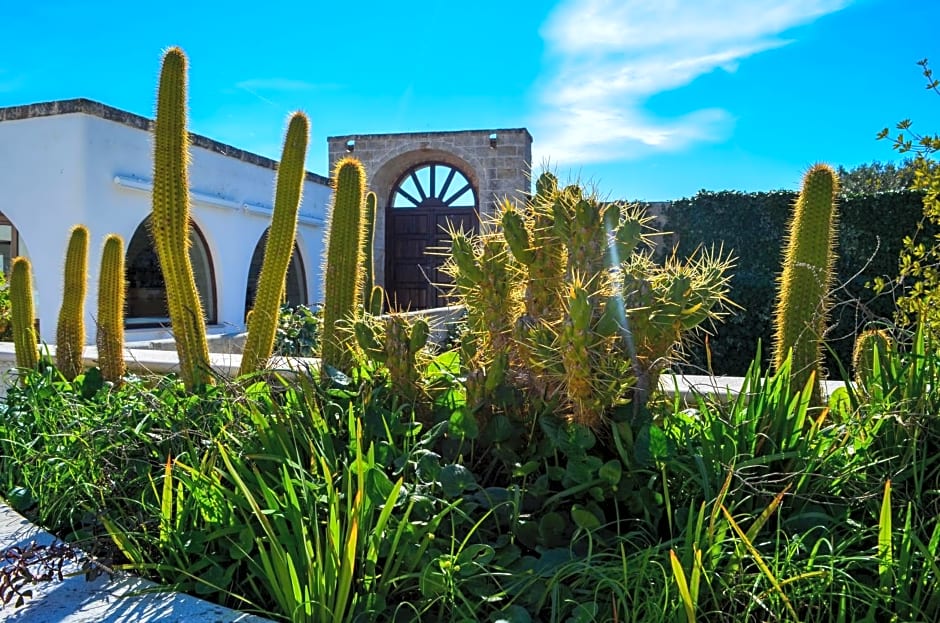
496 162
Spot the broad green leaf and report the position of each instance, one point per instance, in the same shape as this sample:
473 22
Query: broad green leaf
455 479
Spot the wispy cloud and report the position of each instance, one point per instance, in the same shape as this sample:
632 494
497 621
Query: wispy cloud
283 84
607 57
267 89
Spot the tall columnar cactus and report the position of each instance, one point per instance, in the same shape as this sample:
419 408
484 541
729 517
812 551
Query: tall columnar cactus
863 355
368 247
21 314
70 331
170 222
111 291
343 260
808 266
280 245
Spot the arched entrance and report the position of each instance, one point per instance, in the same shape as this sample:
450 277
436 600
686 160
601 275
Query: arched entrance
295 285
146 289
428 200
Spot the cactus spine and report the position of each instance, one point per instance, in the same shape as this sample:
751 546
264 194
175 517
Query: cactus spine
21 312
70 331
343 260
368 246
170 221
808 265
280 245
111 290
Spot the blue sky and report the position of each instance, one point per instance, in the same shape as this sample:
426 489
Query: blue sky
647 99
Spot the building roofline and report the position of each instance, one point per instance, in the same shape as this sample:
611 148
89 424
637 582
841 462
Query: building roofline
429 134
110 113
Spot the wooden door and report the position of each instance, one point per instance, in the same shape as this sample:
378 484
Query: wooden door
428 202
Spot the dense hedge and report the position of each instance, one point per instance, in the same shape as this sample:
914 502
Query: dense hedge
753 225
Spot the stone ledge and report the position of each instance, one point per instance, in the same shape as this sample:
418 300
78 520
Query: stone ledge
102 600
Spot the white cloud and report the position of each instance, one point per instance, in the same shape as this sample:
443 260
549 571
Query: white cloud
281 84
608 57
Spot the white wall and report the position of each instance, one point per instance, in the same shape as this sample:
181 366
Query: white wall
42 192
60 170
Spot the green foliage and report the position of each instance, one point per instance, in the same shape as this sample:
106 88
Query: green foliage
170 222
919 276
876 177
280 245
111 291
342 263
298 332
566 304
70 331
6 329
801 317
871 229
21 314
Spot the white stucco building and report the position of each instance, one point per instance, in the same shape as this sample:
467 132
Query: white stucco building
79 161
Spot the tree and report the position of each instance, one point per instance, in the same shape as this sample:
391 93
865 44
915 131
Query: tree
876 177
919 276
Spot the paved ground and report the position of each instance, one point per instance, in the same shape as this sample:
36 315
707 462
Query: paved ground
103 600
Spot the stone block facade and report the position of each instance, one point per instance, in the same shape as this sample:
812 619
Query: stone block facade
496 162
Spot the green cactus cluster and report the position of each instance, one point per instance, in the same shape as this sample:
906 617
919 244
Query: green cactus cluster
21 314
111 295
70 330
808 267
565 302
395 342
280 245
484 272
343 262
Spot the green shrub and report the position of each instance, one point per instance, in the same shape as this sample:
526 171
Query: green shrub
298 332
871 233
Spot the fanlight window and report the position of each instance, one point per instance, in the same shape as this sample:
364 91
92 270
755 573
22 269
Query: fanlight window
434 185
146 289
295 290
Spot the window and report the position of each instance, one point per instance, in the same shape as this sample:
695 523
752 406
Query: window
146 289
9 243
295 289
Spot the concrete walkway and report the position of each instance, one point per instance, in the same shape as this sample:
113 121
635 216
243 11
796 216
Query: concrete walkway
102 600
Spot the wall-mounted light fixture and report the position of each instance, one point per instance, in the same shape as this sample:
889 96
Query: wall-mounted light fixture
493 140
350 146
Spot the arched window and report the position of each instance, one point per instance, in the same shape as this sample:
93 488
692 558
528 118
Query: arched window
428 201
146 289
9 243
434 185
295 290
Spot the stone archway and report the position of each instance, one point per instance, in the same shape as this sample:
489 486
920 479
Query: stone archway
496 164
